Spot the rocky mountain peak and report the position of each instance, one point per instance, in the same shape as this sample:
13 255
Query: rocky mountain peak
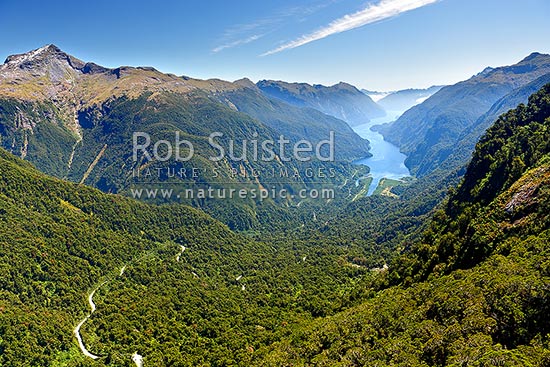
41 57
47 60
534 56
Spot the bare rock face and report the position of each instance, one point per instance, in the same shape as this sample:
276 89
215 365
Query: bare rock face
525 193
524 197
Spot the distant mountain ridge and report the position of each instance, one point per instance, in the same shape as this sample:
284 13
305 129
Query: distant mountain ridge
429 132
341 100
288 119
404 99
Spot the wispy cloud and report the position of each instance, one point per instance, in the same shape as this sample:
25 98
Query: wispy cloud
372 13
239 34
236 43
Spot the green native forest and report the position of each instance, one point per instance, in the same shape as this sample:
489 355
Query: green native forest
101 264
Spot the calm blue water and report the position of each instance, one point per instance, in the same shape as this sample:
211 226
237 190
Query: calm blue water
387 161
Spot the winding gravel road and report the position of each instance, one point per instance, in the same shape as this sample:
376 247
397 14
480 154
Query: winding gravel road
136 358
76 330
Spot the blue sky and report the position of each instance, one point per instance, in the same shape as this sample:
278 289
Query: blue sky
384 46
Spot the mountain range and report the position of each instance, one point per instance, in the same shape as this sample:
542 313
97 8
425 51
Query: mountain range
76 120
446 268
405 99
430 132
169 285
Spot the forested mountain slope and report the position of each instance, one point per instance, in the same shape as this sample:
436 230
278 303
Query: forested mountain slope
289 119
466 286
76 120
475 290
59 240
51 100
462 151
171 283
342 100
